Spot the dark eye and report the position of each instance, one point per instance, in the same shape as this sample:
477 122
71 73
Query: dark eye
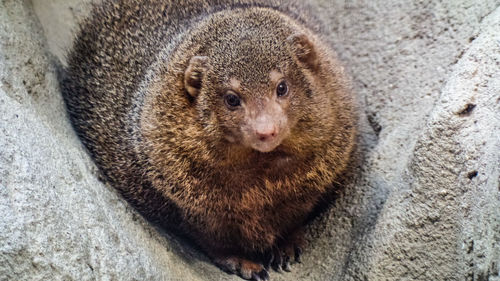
232 100
282 89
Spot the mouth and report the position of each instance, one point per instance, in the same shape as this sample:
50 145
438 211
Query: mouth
265 147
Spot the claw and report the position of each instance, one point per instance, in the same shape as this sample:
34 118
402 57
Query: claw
298 254
256 277
264 275
277 261
286 264
268 259
278 268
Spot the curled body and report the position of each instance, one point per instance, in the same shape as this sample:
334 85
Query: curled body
227 120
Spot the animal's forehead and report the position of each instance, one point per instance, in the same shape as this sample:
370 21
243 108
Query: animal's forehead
249 59
249 47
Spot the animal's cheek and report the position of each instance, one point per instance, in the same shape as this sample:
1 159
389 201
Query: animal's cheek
295 111
246 132
232 129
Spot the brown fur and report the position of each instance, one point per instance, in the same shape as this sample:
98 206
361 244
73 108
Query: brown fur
144 91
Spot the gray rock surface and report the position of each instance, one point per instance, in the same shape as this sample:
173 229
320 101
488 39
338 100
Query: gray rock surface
423 204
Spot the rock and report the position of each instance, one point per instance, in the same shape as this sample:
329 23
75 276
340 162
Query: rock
423 204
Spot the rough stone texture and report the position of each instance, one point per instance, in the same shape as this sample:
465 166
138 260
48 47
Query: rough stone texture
424 204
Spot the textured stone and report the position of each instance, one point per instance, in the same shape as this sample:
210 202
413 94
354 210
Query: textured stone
423 204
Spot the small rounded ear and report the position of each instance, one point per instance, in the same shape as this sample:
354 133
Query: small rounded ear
304 51
193 76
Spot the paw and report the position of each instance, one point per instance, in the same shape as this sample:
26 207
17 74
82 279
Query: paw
245 268
281 257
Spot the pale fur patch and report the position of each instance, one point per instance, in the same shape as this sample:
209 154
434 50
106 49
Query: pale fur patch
275 76
235 83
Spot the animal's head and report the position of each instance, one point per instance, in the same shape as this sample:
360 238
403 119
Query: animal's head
261 83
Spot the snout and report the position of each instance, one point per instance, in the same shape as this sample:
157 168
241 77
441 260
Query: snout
266 133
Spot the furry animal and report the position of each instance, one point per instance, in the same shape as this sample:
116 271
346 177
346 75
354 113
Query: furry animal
226 120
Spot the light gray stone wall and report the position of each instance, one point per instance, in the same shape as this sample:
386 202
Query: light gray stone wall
424 203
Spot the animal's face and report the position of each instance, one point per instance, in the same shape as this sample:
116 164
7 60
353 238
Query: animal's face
256 116
253 84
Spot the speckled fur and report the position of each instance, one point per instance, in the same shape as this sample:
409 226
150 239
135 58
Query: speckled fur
165 151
